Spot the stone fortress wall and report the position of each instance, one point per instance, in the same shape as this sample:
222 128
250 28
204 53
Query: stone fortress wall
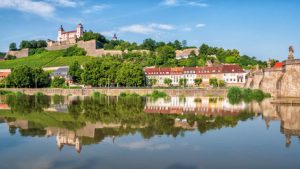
91 48
280 82
18 53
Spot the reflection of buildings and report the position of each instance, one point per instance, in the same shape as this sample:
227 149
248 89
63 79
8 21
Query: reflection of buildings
198 106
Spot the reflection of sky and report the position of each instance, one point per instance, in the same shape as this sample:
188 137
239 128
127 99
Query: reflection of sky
248 145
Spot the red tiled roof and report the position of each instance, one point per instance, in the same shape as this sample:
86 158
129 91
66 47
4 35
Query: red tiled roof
232 69
4 74
198 70
278 65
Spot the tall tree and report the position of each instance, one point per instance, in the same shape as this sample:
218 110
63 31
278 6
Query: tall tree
75 72
13 46
149 44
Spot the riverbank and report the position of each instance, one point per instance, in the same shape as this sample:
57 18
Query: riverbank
117 91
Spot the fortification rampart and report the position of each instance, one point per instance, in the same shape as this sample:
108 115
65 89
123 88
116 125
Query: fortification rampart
280 82
289 85
257 79
270 80
91 48
19 53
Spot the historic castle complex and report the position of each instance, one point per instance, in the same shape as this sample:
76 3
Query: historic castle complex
67 37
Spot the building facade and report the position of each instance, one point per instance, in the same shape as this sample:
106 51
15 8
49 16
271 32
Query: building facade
70 36
66 37
231 74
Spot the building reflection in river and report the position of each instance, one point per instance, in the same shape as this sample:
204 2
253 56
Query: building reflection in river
207 106
113 117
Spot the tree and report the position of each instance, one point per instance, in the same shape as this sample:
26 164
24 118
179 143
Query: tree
102 72
58 82
74 51
222 83
10 57
164 54
204 49
168 81
25 76
90 35
149 44
13 46
177 45
152 82
75 72
182 82
213 82
130 74
2 55
198 81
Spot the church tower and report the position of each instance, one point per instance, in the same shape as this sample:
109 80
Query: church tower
79 30
60 32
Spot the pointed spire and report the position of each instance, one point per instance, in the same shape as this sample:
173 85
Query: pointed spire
61 28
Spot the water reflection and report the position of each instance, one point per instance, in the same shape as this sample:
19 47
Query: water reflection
78 121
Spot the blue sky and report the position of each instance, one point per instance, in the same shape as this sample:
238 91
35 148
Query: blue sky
261 28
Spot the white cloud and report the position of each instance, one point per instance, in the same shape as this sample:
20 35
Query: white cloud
66 3
170 2
187 29
200 25
161 26
40 8
95 8
199 4
184 3
144 145
137 28
146 29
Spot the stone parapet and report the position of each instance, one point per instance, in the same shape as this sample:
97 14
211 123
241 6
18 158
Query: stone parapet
118 91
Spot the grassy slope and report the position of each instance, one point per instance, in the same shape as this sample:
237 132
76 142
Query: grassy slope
67 61
46 59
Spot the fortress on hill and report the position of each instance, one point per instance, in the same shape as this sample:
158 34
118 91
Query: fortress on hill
67 37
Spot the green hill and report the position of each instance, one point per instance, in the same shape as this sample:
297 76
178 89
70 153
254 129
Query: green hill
45 59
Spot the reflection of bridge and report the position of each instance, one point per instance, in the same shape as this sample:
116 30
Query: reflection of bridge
287 114
198 106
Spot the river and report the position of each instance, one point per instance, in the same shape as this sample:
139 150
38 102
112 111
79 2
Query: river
144 133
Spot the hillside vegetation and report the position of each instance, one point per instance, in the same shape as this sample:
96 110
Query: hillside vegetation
45 59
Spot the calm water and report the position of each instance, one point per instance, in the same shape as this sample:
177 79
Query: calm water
139 133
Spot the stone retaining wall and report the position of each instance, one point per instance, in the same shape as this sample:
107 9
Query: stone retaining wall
116 92
282 82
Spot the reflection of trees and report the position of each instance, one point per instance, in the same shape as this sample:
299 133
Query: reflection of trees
126 112
26 104
74 108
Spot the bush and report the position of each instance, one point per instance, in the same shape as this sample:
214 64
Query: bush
39 94
74 51
11 57
96 94
123 94
157 94
36 51
4 92
258 95
58 82
235 95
